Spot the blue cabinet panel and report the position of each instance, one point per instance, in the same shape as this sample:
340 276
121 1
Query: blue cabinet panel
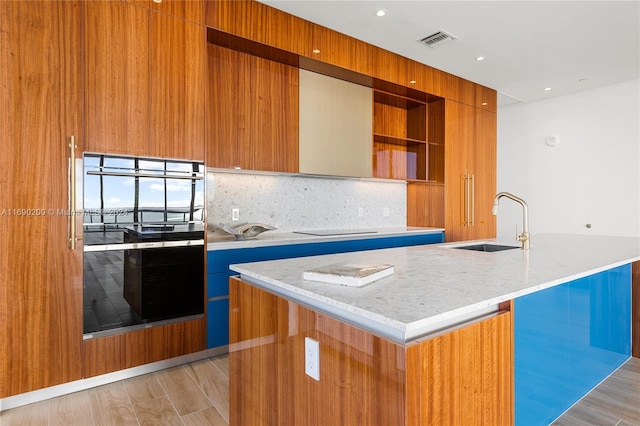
218 284
567 339
217 323
218 271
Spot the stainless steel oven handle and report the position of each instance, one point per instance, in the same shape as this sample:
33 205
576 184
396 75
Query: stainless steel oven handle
139 246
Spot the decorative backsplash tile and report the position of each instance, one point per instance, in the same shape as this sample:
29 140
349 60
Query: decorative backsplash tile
296 202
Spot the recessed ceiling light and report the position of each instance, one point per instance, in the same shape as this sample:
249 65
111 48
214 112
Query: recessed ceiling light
381 12
480 58
316 50
412 82
546 89
484 104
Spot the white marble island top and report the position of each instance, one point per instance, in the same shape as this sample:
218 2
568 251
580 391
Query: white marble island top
434 285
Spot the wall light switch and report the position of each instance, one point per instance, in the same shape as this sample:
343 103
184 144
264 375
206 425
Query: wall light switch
386 212
360 212
312 358
235 214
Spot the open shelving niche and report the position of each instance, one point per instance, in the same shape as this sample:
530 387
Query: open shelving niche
408 136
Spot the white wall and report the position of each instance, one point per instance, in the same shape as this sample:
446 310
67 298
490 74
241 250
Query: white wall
591 177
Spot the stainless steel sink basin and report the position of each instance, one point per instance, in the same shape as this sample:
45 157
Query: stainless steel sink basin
486 247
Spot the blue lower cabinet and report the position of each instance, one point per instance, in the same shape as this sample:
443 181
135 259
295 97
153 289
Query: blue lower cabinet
218 271
567 339
217 322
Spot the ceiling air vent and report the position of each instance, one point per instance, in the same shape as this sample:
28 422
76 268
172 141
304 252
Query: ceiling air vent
436 39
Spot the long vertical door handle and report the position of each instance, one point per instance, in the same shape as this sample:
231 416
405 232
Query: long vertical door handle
472 190
72 193
466 200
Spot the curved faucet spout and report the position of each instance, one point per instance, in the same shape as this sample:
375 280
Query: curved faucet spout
524 237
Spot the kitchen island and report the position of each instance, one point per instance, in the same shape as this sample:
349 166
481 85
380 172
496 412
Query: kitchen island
432 338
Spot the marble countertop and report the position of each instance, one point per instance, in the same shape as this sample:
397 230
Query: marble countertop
438 285
220 240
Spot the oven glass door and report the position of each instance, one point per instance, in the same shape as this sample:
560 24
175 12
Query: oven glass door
143 239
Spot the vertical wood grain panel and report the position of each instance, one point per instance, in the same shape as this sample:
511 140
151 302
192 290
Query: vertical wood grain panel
229 100
460 137
275 116
485 162
177 84
189 10
425 204
117 77
361 376
41 278
635 309
465 375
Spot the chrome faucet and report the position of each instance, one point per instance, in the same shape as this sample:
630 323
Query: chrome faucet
524 237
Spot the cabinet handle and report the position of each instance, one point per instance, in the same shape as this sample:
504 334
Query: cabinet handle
472 191
72 193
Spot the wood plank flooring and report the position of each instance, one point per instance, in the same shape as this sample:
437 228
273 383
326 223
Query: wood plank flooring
197 394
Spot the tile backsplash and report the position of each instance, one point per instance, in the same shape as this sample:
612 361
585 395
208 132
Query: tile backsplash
299 202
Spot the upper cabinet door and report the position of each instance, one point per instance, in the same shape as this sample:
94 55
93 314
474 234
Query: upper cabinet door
252 122
116 78
275 116
177 70
229 114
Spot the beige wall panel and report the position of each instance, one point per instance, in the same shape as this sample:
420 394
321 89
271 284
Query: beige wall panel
336 126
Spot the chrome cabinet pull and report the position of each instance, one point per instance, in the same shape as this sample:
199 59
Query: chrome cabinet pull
72 194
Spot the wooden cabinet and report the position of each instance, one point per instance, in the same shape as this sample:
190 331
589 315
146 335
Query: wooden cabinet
177 87
335 126
252 121
470 172
40 276
408 137
145 81
461 377
113 353
116 78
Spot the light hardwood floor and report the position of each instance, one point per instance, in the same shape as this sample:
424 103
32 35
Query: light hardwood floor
197 394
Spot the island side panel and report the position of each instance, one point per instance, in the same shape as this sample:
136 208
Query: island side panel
362 377
635 309
464 376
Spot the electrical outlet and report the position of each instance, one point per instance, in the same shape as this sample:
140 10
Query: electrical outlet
360 212
386 212
312 358
235 214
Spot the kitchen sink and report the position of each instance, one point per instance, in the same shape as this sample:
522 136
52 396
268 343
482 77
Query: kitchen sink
486 247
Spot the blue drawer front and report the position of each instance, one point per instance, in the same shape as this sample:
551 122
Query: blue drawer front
217 323
568 338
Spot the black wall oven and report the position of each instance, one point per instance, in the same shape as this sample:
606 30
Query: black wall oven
143 231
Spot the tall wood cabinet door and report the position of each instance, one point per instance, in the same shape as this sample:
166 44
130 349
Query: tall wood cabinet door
484 153
229 108
116 77
177 84
275 116
40 276
460 136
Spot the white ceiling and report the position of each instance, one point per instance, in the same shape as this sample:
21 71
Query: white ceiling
568 46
